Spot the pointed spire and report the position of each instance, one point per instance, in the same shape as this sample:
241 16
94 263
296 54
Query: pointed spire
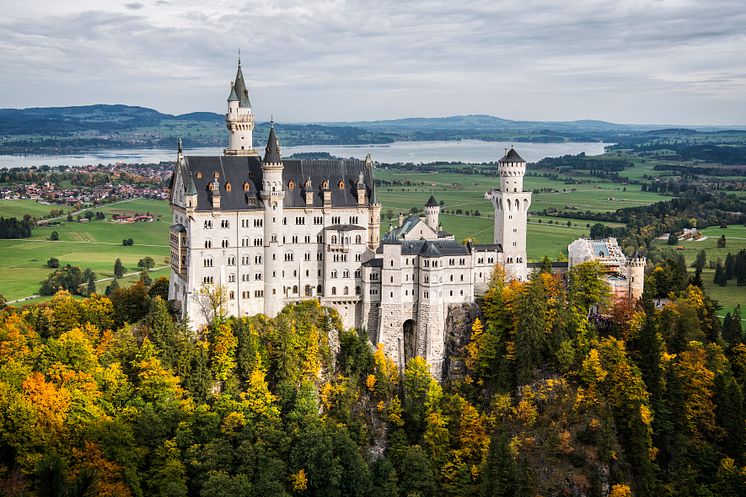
431 202
238 89
180 151
272 152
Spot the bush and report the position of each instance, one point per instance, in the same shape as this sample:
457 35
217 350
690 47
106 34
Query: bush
128 242
53 262
54 236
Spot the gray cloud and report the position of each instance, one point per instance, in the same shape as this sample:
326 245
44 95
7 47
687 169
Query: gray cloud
134 5
672 61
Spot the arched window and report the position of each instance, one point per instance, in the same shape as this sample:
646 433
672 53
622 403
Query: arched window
334 239
341 184
228 187
319 289
199 175
325 184
291 185
334 290
358 239
357 290
346 291
208 243
295 289
246 186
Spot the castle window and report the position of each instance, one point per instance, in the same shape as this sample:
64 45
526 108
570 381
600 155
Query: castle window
341 185
208 244
291 186
258 259
358 257
346 273
224 243
307 256
207 262
334 239
358 239
294 239
231 278
232 261
246 186
358 273
199 175
216 175
258 276
357 290
228 187
208 225
346 291
334 290
319 289
450 293
325 184
258 223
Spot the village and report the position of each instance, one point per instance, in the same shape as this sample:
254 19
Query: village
85 186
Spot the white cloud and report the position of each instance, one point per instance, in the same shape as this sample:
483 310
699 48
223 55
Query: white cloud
673 61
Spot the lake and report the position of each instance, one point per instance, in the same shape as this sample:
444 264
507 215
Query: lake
474 151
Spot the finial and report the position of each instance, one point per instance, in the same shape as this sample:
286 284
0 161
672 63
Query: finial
239 57
180 150
271 120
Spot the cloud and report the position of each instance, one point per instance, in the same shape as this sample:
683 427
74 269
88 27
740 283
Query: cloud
677 61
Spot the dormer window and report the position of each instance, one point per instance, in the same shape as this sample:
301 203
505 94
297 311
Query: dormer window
227 187
291 185
209 186
246 186
216 175
199 175
341 185
325 184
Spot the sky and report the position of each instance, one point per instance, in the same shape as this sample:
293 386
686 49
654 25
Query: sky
626 61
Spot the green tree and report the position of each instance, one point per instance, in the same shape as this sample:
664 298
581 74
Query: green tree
722 241
499 469
118 268
53 262
673 239
732 327
720 278
416 476
146 263
54 236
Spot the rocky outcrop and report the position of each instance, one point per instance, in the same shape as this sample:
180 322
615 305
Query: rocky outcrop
457 335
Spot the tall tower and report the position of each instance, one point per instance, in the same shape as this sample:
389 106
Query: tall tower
432 212
274 247
511 205
239 120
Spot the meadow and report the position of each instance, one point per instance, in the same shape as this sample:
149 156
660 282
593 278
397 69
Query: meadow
727 296
95 245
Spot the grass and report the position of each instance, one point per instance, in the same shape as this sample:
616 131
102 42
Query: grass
19 208
730 295
95 245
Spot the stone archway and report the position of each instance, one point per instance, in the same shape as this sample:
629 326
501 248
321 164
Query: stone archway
410 339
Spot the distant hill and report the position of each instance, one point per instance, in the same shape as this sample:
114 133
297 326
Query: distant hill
70 129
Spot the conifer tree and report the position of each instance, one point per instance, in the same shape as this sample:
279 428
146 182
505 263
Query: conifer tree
732 327
118 268
720 278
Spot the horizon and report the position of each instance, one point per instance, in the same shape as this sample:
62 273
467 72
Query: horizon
642 63
734 126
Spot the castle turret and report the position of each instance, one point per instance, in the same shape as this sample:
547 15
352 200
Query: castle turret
239 120
432 212
511 205
636 276
274 248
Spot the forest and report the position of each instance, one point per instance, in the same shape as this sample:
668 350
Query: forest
554 389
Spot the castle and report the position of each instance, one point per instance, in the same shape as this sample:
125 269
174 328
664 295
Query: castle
265 232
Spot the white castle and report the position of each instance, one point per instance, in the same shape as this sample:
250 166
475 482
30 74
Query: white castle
269 232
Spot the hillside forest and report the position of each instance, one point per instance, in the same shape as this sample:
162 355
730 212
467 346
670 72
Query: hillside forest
553 389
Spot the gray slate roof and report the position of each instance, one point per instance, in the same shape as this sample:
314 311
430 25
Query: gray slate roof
239 88
432 202
512 156
237 170
272 151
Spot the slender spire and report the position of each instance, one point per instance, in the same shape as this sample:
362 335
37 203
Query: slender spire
238 89
180 152
272 152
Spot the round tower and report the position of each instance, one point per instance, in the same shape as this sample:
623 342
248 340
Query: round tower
432 212
272 194
239 120
636 276
511 205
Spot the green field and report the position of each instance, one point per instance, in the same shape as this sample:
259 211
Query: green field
729 295
19 208
95 245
